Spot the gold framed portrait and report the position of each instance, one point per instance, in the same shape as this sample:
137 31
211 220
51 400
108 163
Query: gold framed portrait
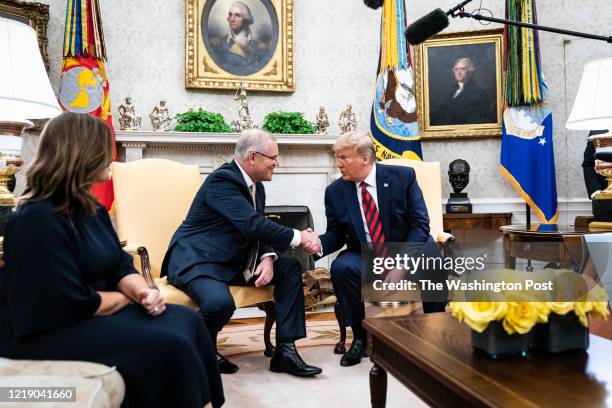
231 43
460 85
36 15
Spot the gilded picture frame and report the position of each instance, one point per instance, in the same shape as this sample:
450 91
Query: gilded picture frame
459 82
36 15
255 51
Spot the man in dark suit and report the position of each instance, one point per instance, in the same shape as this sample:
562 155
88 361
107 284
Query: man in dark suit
594 182
394 212
225 232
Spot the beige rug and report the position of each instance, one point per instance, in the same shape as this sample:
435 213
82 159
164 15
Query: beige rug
254 386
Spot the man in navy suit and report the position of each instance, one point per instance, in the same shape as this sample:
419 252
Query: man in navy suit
225 232
395 212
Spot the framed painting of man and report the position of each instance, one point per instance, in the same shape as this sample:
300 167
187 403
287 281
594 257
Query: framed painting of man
248 42
36 15
459 85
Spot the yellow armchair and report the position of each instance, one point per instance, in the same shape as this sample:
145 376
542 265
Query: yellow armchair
152 197
429 178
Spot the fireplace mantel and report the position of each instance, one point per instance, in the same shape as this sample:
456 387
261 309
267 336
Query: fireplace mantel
135 143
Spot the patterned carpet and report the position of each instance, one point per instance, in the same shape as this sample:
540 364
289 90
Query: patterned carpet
247 338
254 386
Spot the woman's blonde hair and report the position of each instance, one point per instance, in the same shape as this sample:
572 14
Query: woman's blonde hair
73 150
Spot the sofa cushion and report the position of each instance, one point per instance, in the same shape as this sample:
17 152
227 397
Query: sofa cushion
96 385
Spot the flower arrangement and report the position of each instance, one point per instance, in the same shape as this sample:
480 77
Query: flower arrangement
520 317
519 311
502 321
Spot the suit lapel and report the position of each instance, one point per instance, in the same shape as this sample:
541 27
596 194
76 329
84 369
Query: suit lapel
238 175
350 195
383 191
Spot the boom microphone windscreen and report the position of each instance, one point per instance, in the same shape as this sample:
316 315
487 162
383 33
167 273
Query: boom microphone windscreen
373 4
426 26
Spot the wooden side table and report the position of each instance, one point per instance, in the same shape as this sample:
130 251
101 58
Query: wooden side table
476 221
432 355
561 244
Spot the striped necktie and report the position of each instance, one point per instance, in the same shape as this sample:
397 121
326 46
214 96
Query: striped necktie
373 221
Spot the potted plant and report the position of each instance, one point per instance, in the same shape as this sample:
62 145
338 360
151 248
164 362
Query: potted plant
287 123
201 121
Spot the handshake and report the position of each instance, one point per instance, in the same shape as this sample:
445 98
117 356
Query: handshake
310 241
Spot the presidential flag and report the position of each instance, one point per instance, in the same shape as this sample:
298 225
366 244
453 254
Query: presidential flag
393 120
527 150
84 86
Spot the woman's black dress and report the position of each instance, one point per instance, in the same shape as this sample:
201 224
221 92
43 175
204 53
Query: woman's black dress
54 266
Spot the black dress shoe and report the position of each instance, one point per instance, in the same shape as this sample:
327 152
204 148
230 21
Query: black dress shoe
226 366
354 355
287 360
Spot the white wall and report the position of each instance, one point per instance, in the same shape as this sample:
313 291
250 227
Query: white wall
336 52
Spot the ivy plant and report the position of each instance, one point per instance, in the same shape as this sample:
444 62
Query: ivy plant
287 123
201 121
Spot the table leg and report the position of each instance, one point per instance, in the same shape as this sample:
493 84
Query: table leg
378 386
509 260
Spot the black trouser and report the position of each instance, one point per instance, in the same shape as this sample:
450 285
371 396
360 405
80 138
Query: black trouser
216 304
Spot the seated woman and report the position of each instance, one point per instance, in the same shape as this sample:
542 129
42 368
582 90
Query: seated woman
68 291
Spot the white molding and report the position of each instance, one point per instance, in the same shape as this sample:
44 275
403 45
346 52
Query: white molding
144 136
569 208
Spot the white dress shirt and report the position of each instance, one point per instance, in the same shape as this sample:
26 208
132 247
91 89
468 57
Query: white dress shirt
297 238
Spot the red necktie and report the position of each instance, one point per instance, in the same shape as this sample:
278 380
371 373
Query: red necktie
373 220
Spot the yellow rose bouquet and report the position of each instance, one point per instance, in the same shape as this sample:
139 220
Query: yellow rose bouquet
502 328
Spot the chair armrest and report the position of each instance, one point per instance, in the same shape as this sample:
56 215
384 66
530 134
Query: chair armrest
445 237
145 264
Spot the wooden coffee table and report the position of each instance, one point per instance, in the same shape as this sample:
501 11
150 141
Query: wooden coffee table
432 356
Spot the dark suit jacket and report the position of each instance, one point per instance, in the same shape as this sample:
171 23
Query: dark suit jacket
401 207
220 229
592 180
472 105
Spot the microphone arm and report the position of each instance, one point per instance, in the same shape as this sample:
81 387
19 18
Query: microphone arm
479 17
458 7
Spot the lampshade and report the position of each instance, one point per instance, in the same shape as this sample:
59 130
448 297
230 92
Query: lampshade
592 108
25 90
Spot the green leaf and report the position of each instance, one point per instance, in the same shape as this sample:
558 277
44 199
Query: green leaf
287 123
201 121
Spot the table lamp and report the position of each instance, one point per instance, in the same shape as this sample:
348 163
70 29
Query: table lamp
592 110
25 93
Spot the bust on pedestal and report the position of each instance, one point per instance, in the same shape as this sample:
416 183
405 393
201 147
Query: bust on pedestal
459 177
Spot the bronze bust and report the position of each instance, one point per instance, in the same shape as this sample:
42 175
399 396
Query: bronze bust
459 174
459 177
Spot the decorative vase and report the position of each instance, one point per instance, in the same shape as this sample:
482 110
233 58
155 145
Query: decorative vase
496 343
561 333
